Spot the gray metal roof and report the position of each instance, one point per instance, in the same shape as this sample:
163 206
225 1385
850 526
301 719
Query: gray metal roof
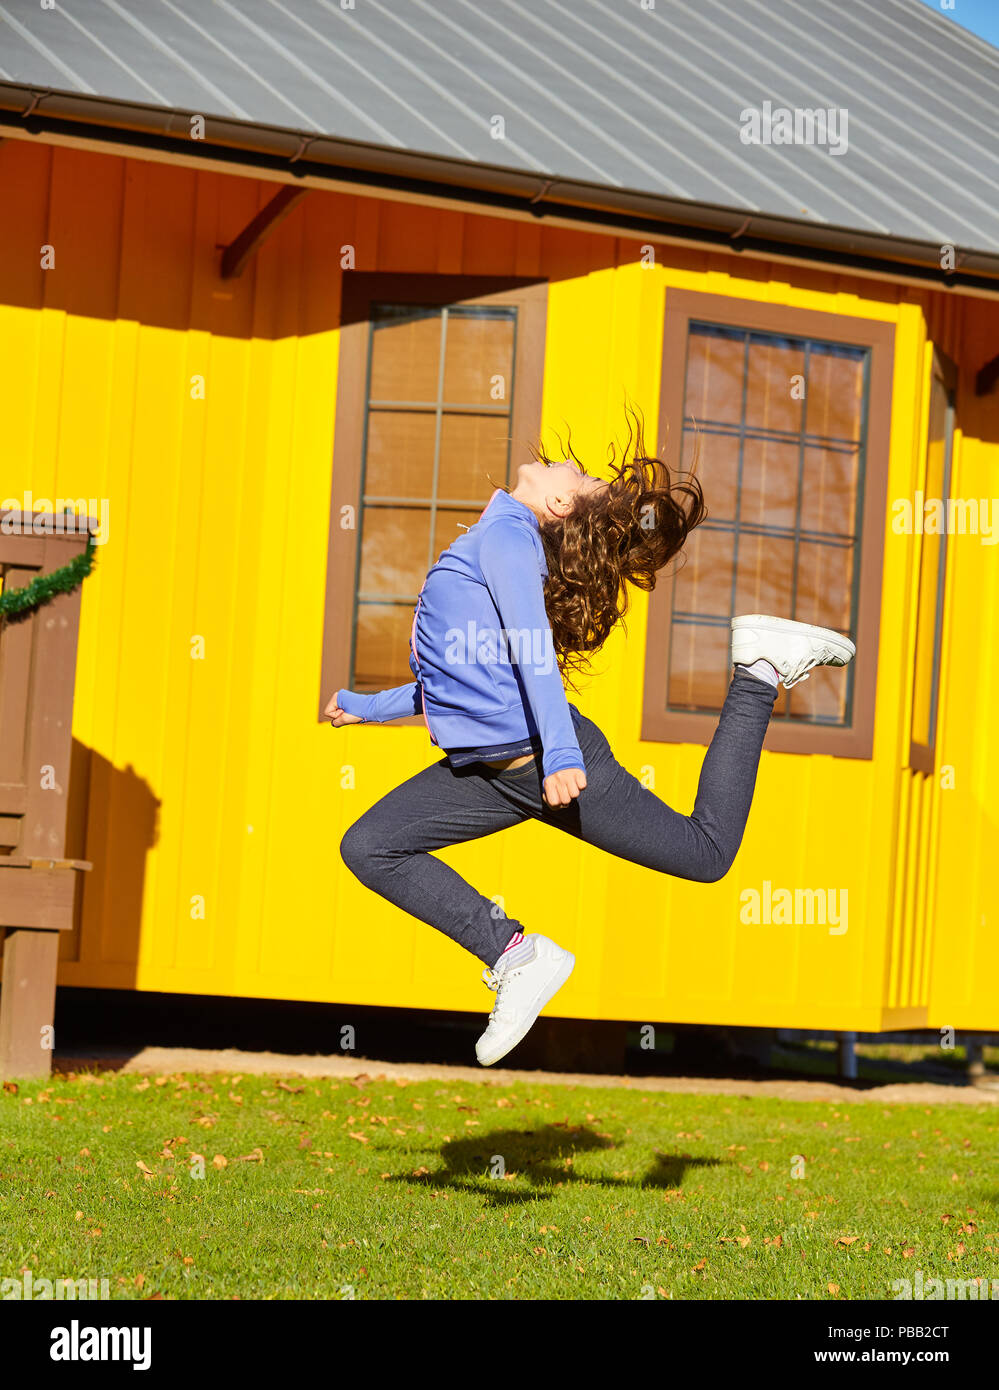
601 91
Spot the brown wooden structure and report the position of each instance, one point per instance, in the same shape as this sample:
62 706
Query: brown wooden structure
37 883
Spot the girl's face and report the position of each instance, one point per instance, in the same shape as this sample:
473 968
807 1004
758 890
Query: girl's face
549 489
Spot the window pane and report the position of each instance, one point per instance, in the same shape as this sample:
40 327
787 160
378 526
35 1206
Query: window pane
825 585
764 575
703 582
714 375
448 527
836 393
770 405
479 349
472 447
405 354
382 656
395 545
719 455
400 454
936 439
699 668
829 491
769 484
822 698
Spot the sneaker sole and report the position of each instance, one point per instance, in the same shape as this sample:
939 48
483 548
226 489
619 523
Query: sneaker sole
555 982
761 622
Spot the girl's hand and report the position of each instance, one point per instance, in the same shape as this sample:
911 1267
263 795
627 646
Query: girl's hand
561 788
339 717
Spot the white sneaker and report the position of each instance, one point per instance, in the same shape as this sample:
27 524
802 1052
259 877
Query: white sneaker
793 649
522 991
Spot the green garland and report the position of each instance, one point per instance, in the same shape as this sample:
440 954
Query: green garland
41 590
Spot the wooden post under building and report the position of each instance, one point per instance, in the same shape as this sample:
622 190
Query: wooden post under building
37 883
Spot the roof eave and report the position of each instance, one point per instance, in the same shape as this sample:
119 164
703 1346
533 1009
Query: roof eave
323 159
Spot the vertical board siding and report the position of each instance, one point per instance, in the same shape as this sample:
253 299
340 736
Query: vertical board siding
965 941
210 780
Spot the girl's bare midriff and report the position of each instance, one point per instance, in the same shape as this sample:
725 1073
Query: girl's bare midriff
507 763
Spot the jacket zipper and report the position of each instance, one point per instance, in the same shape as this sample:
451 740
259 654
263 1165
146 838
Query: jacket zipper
416 658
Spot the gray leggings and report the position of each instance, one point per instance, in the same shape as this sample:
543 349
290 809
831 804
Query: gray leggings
389 848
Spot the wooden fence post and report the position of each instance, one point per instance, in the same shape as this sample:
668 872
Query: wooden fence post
37 883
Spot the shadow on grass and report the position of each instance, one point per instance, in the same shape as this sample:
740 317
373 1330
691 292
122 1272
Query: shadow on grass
488 1163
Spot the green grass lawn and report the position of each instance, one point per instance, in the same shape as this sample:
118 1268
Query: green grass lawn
254 1187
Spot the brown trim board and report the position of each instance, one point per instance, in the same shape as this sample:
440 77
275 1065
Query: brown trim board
922 756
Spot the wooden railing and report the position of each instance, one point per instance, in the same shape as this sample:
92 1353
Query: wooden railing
37 883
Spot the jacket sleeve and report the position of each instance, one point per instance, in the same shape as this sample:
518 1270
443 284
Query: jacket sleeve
383 706
509 561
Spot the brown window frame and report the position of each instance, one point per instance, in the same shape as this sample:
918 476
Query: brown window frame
922 756
660 725
360 290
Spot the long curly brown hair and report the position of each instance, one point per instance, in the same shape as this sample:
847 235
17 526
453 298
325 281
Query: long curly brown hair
613 537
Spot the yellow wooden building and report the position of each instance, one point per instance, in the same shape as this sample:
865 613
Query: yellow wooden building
281 356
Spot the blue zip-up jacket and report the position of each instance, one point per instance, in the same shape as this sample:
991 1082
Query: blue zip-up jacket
481 648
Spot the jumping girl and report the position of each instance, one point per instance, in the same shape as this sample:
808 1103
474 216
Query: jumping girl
527 593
